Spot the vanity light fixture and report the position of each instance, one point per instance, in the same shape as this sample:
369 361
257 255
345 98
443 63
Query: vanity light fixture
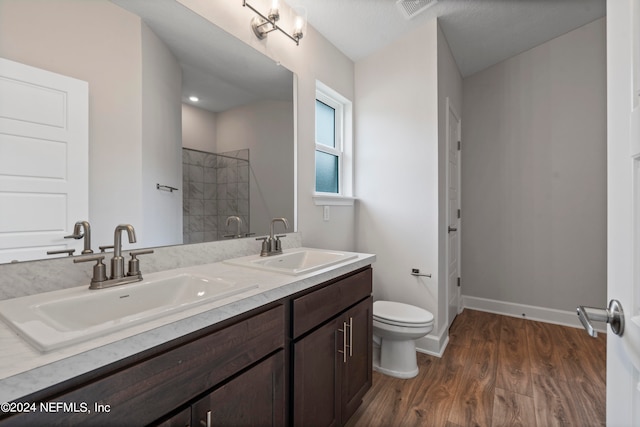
194 99
263 25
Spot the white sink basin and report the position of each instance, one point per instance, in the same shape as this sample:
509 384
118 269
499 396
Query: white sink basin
56 319
294 262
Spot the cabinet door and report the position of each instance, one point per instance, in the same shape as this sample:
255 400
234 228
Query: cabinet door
254 398
356 375
315 373
181 419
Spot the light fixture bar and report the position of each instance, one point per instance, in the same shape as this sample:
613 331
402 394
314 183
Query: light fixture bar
272 22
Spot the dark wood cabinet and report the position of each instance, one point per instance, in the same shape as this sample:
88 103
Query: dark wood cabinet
332 363
356 375
315 377
181 419
304 360
254 398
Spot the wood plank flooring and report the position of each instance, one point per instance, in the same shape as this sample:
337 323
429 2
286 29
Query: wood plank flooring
497 371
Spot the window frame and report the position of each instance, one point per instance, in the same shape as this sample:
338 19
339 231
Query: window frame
338 138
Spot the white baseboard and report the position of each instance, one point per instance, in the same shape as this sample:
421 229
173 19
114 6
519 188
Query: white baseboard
530 312
432 344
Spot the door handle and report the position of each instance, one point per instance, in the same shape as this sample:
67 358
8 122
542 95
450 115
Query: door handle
450 229
613 315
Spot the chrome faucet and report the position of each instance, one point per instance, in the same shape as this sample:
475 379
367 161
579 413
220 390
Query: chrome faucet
271 245
82 229
117 262
238 221
117 277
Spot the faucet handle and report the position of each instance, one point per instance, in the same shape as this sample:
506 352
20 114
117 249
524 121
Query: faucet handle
266 245
104 248
134 262
62 251
74 236
99 270
278 244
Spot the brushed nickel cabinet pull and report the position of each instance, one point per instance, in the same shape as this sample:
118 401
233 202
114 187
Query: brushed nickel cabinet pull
208 422
344 342
350 336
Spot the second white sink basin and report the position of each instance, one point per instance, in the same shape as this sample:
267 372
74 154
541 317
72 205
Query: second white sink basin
295 261
57 319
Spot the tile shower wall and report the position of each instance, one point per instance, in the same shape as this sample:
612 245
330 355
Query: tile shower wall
216 186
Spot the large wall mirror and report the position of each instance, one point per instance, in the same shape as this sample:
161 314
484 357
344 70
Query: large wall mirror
230 155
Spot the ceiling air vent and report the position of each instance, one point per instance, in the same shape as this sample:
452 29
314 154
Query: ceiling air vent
411 8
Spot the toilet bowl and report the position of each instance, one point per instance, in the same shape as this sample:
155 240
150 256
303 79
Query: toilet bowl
396 326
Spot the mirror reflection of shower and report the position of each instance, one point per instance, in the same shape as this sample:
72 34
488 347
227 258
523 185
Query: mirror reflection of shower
216 187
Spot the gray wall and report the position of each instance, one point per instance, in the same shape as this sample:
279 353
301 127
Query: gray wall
534 175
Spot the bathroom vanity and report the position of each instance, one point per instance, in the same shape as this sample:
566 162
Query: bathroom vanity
299 354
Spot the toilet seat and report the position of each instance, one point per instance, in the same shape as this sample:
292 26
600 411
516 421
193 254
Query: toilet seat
399 314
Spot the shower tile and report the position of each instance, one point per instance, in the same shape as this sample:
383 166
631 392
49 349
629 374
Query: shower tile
211 207
197 158
196 173
232 174
196 237
243 206
210 191
210 160
210 175
223 209
243 173
243 190
221 192
232 190
196 207
196 190
221 162
221 175
196 223
210 223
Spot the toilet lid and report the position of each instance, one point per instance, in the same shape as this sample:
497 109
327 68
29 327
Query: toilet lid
397 312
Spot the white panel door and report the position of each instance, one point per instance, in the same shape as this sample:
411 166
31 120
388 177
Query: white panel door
453 210
623 209
44 160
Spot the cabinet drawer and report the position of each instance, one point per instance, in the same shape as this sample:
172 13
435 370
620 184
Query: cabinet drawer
312 309
141 393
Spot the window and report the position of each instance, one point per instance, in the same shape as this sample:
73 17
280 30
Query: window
333 145
328 145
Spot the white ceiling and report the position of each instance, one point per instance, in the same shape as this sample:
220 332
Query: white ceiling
480 33
225 72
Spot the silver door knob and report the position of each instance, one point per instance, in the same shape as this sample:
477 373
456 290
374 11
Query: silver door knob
613 315
450 229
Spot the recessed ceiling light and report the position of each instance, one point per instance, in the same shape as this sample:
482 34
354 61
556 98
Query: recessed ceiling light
194 99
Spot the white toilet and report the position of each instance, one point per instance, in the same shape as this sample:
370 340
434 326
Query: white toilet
396 326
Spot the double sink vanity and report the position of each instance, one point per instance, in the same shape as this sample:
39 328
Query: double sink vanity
278 340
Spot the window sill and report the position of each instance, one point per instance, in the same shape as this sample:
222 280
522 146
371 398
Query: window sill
330 200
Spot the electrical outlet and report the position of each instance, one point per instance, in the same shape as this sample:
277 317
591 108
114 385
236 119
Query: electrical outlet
326 213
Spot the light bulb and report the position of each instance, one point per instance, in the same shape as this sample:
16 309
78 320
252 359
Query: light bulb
274 13
298 27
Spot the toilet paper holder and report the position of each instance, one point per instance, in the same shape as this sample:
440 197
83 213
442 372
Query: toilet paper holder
416 272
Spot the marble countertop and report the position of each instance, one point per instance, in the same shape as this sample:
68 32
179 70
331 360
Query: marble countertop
25 370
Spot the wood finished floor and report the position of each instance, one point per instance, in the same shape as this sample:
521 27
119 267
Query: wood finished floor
497 371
